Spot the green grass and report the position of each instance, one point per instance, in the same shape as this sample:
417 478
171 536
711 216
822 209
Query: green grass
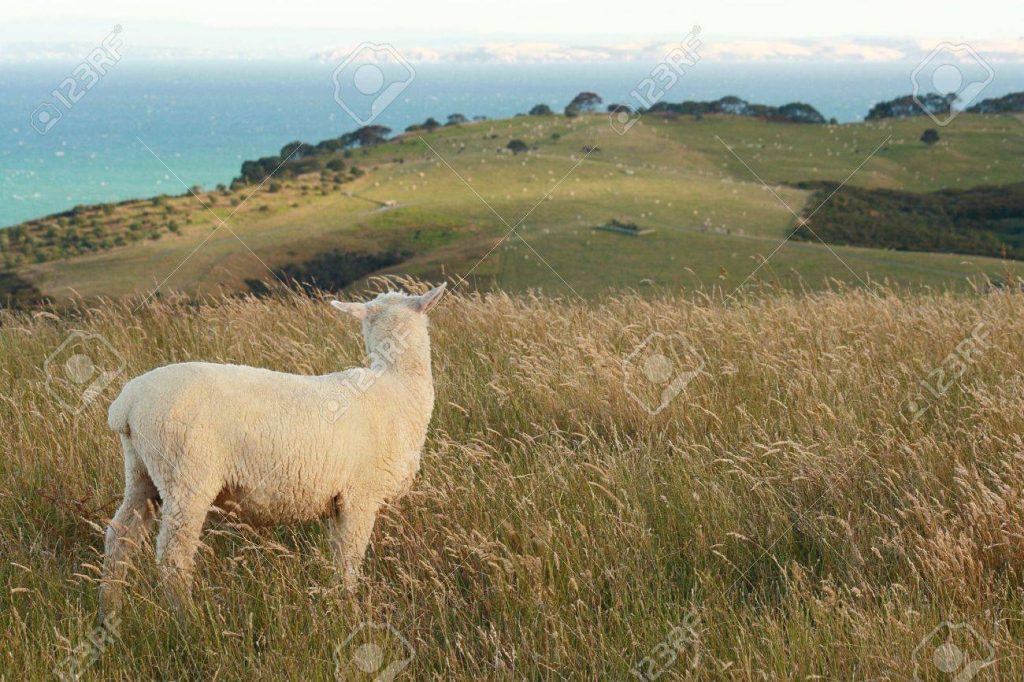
714 220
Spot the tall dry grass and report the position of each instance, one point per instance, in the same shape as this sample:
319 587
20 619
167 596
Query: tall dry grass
783 505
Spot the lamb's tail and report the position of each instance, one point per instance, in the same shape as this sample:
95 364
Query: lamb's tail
117 416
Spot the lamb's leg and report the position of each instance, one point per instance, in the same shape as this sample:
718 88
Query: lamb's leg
180 527
351 528
127 529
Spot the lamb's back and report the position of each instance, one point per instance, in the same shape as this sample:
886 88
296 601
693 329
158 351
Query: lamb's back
190 391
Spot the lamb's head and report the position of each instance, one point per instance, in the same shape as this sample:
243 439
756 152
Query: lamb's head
393 321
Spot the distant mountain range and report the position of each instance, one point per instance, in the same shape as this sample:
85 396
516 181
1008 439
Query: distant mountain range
866 50
727 50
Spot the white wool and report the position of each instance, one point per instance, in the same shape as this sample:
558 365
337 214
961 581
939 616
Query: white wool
272 447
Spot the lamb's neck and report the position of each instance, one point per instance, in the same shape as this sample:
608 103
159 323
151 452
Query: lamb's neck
405 354
412 362
412 373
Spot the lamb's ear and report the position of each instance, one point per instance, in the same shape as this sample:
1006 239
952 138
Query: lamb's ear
428 300
356 310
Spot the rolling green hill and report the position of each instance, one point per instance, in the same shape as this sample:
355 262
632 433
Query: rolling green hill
444 200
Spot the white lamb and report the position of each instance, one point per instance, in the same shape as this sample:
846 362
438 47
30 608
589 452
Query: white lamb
272 447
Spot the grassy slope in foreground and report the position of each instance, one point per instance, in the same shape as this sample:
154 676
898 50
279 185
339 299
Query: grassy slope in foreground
714 221
557 530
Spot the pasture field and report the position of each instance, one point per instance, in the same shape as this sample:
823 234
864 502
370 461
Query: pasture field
802 507
720 194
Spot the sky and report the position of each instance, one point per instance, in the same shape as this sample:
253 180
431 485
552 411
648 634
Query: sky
307 27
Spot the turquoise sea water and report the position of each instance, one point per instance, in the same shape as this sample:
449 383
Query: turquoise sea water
204 118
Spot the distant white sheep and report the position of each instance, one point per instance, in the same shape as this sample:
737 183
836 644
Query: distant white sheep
272 447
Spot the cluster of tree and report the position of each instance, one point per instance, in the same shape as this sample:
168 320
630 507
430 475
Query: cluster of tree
986 220
297 158
941 105
794 112
330 271
903 107
432 124
17 293
1014 102
80 230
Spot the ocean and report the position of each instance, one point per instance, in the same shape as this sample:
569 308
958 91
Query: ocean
203 118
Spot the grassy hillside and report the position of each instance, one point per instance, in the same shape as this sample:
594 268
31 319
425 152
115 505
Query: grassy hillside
783 510
713 220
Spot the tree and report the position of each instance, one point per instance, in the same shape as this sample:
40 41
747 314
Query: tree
456 119
367 136
930 136
430 125
797 112
908 105
297 150
616 108
258 170
332 145
541 110
583 103
517 146
1007 104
